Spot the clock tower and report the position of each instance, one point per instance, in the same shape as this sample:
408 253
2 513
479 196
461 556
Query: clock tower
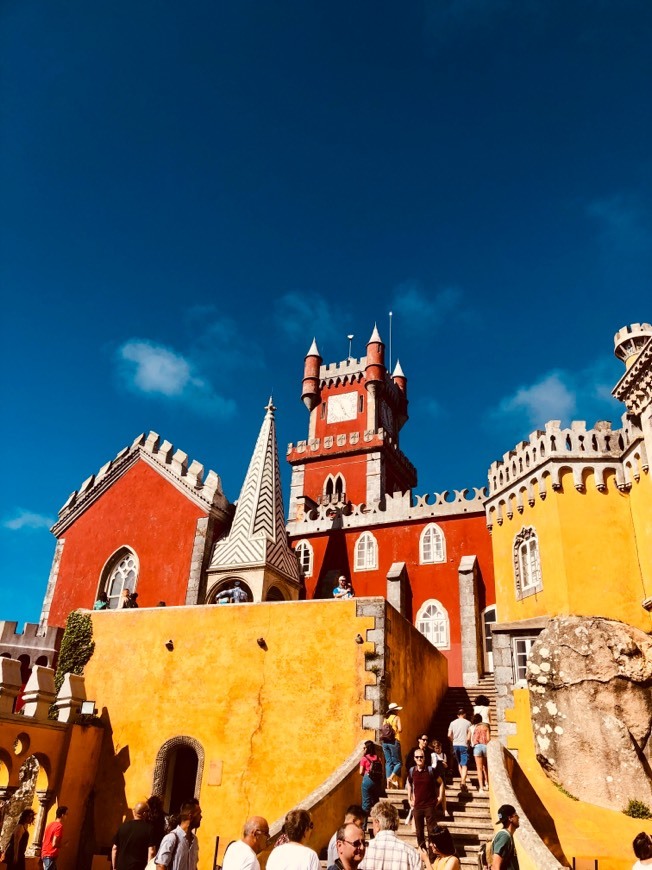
352 453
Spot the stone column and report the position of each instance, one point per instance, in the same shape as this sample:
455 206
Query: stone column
44 798
397 580
472 662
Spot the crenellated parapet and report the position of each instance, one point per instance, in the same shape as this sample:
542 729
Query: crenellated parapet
536 466
348 371
35 642
634 389
343 443
187 476
396 508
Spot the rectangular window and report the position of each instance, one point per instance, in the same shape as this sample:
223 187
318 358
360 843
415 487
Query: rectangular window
521 647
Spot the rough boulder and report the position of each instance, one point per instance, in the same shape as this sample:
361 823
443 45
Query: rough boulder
590 683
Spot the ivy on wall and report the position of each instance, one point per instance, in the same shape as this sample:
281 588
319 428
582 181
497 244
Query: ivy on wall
77 647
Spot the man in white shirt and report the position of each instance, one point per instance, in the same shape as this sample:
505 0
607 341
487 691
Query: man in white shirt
458 734
386 851
243 854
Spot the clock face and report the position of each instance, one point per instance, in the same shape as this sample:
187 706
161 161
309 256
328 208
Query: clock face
341 407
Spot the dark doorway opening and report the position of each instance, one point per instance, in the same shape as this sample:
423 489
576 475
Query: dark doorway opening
181 777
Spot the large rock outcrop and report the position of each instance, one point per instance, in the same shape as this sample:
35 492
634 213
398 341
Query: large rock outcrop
590 683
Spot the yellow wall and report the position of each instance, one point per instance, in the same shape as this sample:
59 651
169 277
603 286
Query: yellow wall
641 505
277 721
571 828
588 550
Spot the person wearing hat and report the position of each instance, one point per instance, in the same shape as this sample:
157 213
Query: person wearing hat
502 846
391 744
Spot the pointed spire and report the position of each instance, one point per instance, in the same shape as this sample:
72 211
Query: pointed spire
270 407
375 335
398 371
314 350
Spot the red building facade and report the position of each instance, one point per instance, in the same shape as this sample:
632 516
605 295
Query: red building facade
352 511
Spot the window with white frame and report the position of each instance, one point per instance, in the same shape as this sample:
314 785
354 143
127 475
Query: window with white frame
527 564
366 552
521 647
432 545
432 621
121 573
304 557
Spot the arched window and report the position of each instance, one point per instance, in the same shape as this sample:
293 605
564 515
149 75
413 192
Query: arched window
121 572
328 488
432 622
527 564
366 552
340 488
432 546
304 557
334 489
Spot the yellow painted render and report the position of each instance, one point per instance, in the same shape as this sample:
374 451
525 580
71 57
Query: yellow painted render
279 721
640 497
582 830
588 550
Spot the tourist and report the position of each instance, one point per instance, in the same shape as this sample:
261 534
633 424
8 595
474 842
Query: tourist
133 600
123 601
479 736
14 855
351 848
373 777
642 846
156 818
52 840
481 706
425 786
458 734
343 588
295 854
179 850
355 815
422 744
134 843
102 602
502 846
444 850
391 744
386 851
243 854
233 595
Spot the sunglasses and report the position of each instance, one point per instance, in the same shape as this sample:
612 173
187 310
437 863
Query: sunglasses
419 756
357 844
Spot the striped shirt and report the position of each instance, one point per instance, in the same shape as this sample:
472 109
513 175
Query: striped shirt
387 852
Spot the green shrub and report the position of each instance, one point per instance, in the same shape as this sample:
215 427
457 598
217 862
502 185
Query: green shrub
77 647
637 810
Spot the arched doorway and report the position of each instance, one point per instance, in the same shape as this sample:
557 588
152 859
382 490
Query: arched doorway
275 594
488 618
178 772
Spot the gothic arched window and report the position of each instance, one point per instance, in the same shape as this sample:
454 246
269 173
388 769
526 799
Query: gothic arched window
432 546
527 563
304 557
366 552
432 622
121 572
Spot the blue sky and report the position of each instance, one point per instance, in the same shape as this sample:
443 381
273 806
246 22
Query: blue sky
191 191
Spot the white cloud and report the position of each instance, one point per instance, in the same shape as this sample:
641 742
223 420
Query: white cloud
301 316
560 395
623 222
420 309
156 370
24 519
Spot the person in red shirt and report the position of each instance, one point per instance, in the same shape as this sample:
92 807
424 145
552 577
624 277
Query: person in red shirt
52 840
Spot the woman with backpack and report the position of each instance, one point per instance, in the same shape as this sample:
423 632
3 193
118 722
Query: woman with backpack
371 771
391 744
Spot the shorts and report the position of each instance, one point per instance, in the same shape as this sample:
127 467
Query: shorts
480 749
462 755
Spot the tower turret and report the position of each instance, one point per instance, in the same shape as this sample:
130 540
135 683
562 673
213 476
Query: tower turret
401 383
310 389
630 341
374 374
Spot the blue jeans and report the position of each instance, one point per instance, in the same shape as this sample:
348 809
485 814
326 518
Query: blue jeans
392 753
49 863
370 793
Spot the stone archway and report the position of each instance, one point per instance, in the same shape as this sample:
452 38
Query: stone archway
168 779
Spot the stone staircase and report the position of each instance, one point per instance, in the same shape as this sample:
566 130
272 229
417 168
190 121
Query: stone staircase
456 697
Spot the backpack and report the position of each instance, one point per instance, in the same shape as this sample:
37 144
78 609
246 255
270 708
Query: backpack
376 771
387 733
486 853
434 772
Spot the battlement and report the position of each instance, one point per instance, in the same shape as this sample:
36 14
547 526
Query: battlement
35 642
347 443
399 507
634 389
631 339
350 368
533 466
186 476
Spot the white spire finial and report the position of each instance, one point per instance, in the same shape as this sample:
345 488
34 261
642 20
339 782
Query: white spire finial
270 408
314 350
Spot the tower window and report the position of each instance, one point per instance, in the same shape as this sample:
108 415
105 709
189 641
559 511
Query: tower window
366 552
432 545
360 403
527 563
334 489
432 621
120 573
304 557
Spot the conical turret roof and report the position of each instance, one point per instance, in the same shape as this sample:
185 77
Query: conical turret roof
375 335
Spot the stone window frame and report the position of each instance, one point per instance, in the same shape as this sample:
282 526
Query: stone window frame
162 763
365 553
305 557
527 563
519 674
440 618
334 489
432 530
109 569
